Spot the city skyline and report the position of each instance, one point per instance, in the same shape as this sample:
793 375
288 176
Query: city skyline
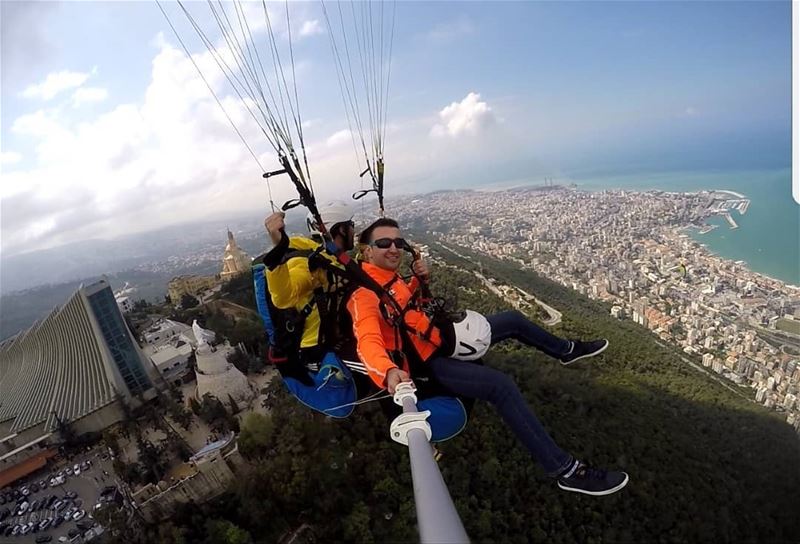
631 249
113 133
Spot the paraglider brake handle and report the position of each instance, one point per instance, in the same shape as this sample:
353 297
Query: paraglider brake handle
361 194
274 173
289 204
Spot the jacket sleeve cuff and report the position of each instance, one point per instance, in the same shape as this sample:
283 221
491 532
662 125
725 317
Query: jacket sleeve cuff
276 254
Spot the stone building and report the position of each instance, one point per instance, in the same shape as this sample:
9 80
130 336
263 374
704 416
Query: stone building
208 474
235 261
189 285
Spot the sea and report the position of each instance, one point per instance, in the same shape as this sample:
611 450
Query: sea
768 237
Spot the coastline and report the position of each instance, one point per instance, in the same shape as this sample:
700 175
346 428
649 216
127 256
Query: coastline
770 210
709 253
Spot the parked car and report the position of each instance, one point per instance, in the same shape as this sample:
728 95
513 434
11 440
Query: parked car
44 524
68 470
70 494
78 515
57 521
76 469
41 539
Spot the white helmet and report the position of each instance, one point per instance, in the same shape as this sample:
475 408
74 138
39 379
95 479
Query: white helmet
473 336
331 212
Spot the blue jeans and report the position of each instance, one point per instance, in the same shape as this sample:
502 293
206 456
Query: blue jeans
475 381
481 382
512 324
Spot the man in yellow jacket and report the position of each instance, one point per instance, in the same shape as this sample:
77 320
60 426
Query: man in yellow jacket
295 283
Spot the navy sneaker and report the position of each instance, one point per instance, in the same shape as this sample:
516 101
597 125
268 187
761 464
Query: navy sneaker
592 481
582 350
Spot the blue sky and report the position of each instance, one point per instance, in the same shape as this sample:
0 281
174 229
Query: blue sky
106 129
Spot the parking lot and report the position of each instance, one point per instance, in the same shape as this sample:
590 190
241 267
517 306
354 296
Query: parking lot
67 502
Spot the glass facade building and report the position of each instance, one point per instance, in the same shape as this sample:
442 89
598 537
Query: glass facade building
119 341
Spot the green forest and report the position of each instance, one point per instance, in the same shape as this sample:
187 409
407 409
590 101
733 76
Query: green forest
705 463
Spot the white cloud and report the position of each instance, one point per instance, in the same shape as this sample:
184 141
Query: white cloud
56 83
470 116
338 138
37 124
170 158
85 95
310 28
10 157
690 111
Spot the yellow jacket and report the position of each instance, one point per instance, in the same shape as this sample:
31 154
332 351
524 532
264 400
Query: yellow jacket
291 285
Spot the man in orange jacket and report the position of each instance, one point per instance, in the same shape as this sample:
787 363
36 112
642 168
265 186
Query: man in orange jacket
392 338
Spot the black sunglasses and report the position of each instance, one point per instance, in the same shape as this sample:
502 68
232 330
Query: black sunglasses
386 243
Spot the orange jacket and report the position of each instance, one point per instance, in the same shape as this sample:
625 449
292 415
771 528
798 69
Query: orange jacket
376 337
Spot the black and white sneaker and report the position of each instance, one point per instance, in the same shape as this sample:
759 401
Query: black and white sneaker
592 481
582 350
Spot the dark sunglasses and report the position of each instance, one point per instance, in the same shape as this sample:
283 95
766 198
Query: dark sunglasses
386 243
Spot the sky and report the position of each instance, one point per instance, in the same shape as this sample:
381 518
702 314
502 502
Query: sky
106 129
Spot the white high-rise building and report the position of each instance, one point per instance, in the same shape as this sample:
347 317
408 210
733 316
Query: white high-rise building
73 367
